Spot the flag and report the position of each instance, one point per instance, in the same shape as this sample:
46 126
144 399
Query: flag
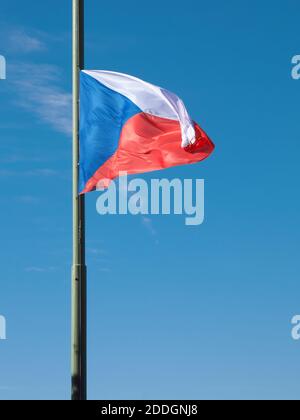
129 125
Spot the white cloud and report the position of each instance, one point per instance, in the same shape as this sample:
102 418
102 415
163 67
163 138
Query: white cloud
148 224
96 252
100 257
19 157
23 42
45 172
35 269
27 199
105 270
38 90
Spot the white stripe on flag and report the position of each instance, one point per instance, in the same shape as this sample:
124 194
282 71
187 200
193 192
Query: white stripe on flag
149 98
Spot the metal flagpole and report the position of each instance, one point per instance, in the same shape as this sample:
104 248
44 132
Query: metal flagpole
79 292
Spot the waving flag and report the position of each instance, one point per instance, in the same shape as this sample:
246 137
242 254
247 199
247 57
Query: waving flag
128 125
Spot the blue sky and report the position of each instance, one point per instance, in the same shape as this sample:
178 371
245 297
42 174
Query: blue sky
175 312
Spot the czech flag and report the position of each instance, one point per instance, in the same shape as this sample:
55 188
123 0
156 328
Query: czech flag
131 126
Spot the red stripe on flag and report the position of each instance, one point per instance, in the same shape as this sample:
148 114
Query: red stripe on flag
149 143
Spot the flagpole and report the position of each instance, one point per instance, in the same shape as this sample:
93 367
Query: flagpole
79 292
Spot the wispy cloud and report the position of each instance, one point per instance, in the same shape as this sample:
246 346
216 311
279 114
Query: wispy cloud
35 269
24 42
18 158
104 270
27 199
38 90
96 252
148 224
100 257
42 172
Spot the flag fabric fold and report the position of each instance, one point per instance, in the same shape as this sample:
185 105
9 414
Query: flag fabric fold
128 125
